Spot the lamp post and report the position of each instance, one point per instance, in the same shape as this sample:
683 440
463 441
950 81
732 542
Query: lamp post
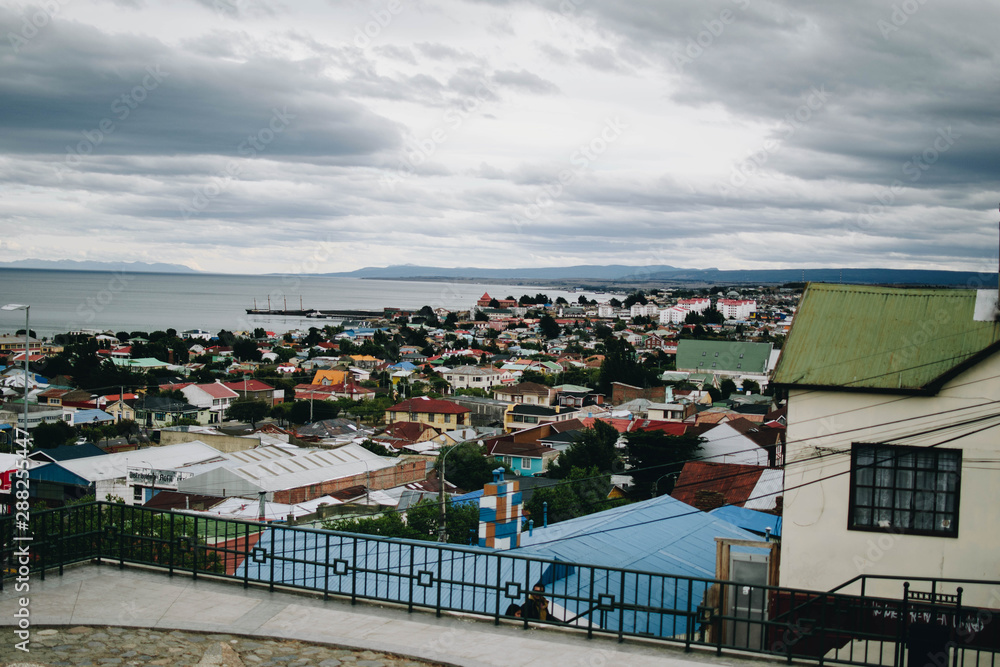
27 354
443 526
669 474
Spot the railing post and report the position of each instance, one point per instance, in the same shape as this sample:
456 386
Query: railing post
354 573
274 532
194 550
621 608
901 626
121 537
99 525
591 620
62 536
688 637
440 574
956 631
171 547
326 570
409 606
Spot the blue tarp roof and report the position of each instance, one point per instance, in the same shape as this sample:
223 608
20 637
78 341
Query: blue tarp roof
405 366
749 519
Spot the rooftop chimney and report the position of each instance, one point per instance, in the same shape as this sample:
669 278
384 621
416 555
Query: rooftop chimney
500 514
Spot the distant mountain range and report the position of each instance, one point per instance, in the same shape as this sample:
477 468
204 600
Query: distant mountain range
613 273
74 265
663 272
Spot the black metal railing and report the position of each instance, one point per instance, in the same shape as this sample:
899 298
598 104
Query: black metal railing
793 624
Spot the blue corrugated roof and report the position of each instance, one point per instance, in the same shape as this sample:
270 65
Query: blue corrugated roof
748 519
659 536
53 472
88 416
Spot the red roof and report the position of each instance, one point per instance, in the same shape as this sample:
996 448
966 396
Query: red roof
216 390
630 425
734 481
429 405
250 385
409 431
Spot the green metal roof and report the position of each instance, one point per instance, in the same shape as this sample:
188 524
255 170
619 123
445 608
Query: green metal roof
883 338
722 356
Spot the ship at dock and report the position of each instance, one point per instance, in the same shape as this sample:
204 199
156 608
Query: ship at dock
300 312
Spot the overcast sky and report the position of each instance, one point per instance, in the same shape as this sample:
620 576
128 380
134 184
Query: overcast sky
247 136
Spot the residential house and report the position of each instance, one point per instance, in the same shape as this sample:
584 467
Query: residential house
475 377
891 409
431 411
120 410
707 485
521 416
528 393
157 411
735 360
255 390
213 396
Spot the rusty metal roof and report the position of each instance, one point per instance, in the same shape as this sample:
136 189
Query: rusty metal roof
884 339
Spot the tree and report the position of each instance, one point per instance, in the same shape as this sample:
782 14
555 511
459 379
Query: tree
549 326
462 521
259 333
248 410
593 448
727 387
619 365
300 411
561 301
752 386
245 349
468 467
583 491
47 436
376 448
655 454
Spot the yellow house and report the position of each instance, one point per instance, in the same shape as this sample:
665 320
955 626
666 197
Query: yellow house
330 376
430 411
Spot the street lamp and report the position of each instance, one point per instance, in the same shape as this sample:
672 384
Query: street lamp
669 474
27 345
443 528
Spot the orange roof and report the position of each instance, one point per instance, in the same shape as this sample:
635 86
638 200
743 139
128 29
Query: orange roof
734 481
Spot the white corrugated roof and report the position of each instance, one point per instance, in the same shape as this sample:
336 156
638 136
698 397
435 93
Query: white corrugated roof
770 485
315 467
111 466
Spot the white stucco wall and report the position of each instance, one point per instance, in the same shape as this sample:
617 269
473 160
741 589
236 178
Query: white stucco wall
818 551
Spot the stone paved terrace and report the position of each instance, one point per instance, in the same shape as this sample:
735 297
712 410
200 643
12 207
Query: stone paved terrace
98 608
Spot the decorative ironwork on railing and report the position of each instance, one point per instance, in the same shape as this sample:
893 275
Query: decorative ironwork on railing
836 627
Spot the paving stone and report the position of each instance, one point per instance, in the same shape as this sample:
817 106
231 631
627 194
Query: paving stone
84 646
